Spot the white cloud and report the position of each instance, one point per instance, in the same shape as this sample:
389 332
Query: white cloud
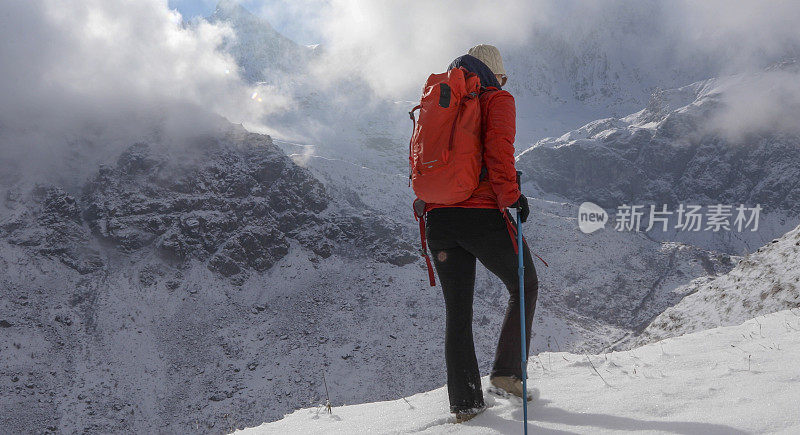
758 103
96 75
83 78
393 45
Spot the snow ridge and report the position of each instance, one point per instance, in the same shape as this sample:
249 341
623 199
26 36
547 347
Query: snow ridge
763 282
668 153
715 381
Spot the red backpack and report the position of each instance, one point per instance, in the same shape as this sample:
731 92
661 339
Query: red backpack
445 148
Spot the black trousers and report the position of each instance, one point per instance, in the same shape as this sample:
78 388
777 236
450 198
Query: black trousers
456 238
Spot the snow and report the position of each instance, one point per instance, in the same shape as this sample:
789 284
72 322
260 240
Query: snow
119 344
764 282
674 152
728 380
366 322
599 288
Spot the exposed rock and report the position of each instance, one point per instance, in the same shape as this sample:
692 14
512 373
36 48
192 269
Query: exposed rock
48 220
236 204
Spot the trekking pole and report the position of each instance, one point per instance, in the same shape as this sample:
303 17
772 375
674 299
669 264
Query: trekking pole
522 317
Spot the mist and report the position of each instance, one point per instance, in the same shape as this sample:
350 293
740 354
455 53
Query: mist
761 103
395 45
391 47
82 79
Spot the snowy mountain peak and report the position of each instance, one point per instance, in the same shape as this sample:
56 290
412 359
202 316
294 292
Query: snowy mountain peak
232 10
786 64
679 149
263 53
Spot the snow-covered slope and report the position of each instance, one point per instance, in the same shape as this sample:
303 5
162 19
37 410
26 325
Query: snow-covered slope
669 153
231 266
764 282
619 278
730 380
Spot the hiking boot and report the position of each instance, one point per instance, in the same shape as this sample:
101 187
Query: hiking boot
469 414
509 385
461 418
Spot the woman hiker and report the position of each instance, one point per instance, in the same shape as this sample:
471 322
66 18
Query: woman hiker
476 228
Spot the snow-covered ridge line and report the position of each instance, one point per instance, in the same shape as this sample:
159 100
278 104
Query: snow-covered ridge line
675 151
763 282
713 381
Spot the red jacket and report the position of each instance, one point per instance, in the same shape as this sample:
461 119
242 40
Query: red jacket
498 189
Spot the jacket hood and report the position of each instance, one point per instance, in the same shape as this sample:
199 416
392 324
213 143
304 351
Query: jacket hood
474 65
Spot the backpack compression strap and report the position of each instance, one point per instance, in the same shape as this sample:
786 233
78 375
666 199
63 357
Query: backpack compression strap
414 121
424 251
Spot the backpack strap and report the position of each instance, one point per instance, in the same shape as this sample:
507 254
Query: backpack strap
512 231
419 215
410 141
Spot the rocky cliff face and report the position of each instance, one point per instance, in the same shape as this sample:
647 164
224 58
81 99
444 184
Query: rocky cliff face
49 222
209 287
236 205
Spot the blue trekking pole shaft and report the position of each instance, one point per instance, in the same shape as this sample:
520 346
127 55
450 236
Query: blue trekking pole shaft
522 316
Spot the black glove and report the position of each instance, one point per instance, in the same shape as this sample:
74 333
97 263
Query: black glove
522 203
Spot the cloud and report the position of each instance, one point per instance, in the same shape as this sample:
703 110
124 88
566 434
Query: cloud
80 79
393 46
297 20
743 33
764 102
